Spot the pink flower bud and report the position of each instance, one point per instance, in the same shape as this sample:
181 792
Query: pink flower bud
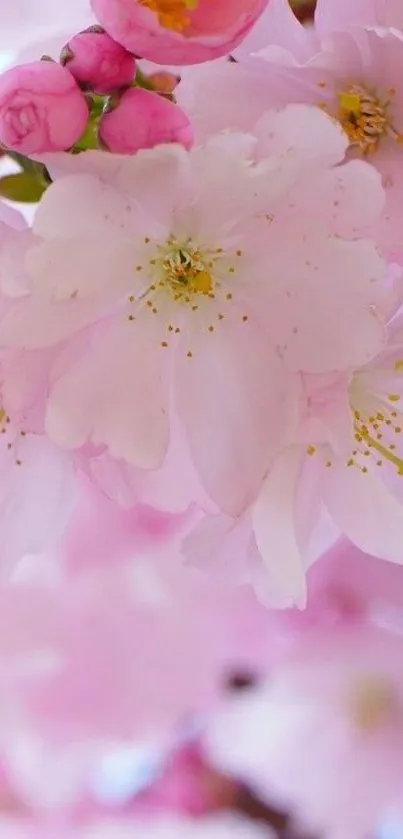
178 31
142 120
41 108
97 62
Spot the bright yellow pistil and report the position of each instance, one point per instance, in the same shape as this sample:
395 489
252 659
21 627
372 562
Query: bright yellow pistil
185 272
172 14
196 278
373 704
364 118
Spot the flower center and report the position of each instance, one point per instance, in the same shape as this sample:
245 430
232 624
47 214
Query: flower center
364 118
172 14
185 271
373 703
376 421
197 277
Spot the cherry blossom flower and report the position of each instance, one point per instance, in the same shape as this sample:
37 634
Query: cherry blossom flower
179 260
354 75
178 31
347 461
328 719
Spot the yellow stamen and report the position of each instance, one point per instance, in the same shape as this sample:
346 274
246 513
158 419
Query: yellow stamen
172 14
364 118
202 282
364 434
185 272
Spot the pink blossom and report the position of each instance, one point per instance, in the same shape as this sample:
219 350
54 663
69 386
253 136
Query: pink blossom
355 76
41 108
68 698
142 120
357 79
97 62
240 310
176 31
346 463
324 737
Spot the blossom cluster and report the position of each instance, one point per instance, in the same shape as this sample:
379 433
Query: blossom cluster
201 420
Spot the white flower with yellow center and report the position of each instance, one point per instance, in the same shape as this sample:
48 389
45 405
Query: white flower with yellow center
200 283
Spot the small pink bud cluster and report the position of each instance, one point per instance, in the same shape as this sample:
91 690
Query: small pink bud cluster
45 106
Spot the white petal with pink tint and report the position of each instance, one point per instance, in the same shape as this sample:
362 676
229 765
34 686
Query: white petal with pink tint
113 395
365 510
274 526
233 439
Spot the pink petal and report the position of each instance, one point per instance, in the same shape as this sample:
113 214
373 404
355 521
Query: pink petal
301 135
234 426
84 268
218 545
365 511
36 323
351 197
309 320
81 205
330 15
274 526
36 497
117 394
160 179
277 25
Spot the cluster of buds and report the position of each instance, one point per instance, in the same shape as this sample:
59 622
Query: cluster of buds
94 97
97 97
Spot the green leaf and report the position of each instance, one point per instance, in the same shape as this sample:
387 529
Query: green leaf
23 186
26 164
